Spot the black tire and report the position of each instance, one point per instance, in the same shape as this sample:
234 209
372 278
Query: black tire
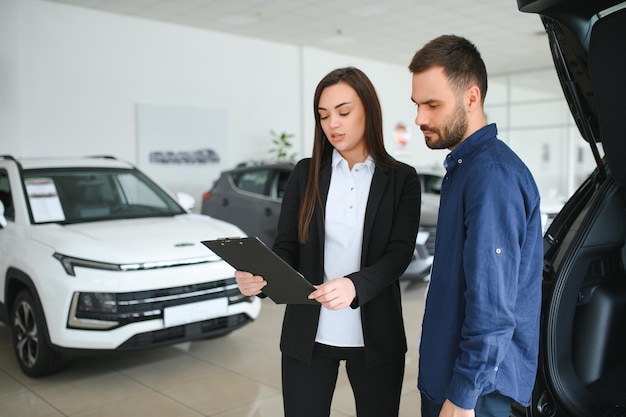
32 350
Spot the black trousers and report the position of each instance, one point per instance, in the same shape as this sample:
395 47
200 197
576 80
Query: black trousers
308 387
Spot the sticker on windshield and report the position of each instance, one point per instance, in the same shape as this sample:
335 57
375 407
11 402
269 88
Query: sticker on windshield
44 200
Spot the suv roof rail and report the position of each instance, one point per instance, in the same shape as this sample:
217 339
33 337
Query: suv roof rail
92 156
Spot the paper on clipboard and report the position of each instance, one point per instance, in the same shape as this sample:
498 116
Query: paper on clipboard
285 285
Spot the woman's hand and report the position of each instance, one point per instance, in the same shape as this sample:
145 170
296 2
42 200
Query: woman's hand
249 284
335 294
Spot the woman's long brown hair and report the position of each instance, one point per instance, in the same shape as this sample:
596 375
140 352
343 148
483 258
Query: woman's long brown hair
322 149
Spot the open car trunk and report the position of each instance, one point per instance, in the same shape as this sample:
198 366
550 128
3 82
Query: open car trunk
582 368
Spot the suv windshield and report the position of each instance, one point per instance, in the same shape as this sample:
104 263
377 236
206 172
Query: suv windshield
90 194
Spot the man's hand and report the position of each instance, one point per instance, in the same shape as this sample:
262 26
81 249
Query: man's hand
335 294
451 410
249 284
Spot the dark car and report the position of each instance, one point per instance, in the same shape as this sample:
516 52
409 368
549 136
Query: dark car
250 197
582 359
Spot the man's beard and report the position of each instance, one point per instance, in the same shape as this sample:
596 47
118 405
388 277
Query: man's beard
453 131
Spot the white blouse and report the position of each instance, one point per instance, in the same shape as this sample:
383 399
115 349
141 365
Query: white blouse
345 216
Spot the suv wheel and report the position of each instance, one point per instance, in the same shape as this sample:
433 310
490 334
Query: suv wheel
33 353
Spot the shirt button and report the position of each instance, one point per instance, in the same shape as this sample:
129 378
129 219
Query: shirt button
498 251
350 207
495 369
460 161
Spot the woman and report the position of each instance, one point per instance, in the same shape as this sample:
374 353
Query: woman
348 223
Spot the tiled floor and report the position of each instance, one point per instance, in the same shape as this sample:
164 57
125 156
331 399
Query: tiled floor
233 376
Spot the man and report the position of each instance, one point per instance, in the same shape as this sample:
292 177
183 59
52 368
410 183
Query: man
480 335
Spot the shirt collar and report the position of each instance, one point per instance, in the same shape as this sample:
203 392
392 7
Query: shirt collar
338 159
469 145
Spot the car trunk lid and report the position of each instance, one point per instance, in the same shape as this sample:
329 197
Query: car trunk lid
589 69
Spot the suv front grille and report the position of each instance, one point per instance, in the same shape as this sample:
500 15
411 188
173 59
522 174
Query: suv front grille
204 329
105 311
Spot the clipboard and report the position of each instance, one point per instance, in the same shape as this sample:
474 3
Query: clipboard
285 285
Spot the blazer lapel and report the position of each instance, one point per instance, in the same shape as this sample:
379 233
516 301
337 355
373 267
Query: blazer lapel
377 189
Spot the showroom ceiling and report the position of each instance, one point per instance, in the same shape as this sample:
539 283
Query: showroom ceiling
384 30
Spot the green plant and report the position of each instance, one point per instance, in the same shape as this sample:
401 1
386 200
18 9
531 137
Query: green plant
282 145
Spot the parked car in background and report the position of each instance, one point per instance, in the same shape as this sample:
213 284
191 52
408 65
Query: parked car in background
419 268
250 196
582 356
95 256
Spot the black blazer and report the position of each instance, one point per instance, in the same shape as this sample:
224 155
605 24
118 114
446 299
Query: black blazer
391 221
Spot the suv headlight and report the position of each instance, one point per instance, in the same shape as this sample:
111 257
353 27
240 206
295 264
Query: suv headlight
97 302
93 311
69 263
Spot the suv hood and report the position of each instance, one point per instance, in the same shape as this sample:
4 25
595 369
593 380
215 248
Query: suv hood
584 36
136 240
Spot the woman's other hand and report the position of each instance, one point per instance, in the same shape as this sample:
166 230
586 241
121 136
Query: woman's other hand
249 284
335 294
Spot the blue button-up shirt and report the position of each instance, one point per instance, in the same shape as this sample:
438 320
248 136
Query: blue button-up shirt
481 323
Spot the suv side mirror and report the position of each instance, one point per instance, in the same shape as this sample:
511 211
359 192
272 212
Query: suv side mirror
186 201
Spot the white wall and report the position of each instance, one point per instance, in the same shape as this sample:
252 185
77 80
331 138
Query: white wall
71 79
538 125
9 80
83 72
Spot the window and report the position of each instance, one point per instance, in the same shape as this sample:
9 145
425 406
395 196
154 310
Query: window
253 181
431 183
79 195
5 196
281 182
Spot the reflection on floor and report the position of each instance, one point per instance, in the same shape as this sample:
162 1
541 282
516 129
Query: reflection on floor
233 376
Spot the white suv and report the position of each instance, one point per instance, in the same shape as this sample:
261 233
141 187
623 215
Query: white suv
95 256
